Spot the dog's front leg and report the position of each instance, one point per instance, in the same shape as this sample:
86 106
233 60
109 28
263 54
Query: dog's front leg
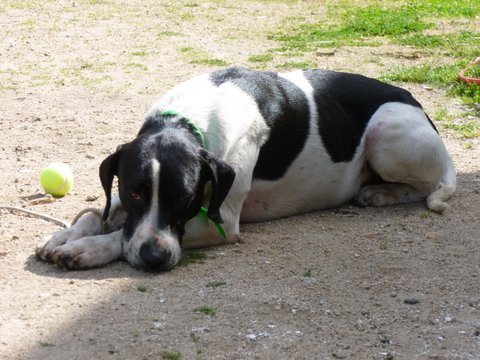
89 252
202 232
89 224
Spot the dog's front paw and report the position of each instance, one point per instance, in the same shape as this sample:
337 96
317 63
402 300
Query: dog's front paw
71 257
47 245
88 224
89 252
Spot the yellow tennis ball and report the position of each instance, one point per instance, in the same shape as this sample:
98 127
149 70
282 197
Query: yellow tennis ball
57 179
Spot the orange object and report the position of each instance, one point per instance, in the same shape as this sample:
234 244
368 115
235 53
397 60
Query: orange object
462 76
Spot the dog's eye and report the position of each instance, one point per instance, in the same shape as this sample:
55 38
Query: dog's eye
135 196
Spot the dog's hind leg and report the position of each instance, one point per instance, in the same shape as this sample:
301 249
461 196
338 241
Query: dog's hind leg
404 149
89 224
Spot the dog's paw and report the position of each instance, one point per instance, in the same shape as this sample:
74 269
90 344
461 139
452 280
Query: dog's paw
71 257
48 243
374 196
89 252
89 224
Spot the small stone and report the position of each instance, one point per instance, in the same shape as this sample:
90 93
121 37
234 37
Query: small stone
447 318
411 301
325 52
91 198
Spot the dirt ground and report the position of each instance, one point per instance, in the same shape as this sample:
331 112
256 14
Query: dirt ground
76 78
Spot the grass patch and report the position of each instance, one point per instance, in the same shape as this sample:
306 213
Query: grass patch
447 8
216 283
441 76
142 288
468 130
206 310
210 62
139 53
193 257
45 344
167 33
462 45
136 66
442 115
171 355
198 56
377 20
263 58
296 65
355 27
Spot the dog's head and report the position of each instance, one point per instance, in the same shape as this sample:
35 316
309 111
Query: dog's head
162 181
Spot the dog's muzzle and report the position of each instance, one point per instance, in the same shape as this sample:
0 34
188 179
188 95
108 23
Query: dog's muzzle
153 257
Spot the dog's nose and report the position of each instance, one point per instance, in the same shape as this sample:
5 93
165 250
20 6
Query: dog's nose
154 257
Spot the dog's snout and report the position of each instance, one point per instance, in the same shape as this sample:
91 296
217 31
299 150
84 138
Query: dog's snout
154 257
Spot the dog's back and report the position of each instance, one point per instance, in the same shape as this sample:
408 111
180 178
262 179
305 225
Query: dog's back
308 127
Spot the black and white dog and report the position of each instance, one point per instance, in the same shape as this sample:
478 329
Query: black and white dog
241 146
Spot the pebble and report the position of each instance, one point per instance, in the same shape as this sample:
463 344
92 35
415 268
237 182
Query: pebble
447 318
411 301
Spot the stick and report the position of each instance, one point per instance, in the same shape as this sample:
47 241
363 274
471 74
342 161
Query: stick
34 213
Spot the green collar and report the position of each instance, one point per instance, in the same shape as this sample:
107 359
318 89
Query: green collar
196 130
204 213
198 133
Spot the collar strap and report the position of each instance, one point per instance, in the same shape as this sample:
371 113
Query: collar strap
198 133
204 213
196 130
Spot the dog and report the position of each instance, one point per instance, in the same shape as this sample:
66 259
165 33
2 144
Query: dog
237 145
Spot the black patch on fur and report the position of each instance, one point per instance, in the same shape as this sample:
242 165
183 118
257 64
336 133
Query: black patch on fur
285 109
345 103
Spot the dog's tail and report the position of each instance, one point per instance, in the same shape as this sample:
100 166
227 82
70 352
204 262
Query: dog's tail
445 189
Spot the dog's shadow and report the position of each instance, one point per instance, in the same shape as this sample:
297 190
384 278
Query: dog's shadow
116 269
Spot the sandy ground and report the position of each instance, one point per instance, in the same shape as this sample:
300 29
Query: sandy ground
76 78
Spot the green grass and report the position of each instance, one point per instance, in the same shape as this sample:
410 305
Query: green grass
468 130
139 53
142 288
171 355
263 58
296 65
166 33
207 310
356 26
460 45
445 76
347 24
210 62
192 257
447 8
45 344
216 283
373 23
136 66
198 56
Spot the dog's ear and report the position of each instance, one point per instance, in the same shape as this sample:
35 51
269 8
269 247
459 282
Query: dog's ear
108 170
221 175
